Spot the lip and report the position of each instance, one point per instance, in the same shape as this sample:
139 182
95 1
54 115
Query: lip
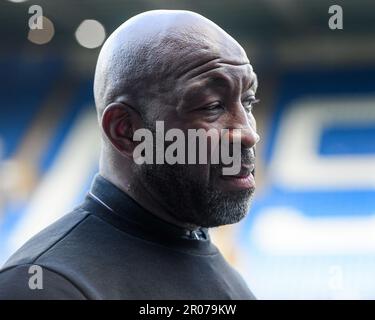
241 181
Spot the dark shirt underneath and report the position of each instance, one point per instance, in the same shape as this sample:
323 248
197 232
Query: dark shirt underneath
111 248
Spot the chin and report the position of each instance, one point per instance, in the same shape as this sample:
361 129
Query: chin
227 213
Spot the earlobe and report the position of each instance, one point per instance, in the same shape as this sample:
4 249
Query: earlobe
118 126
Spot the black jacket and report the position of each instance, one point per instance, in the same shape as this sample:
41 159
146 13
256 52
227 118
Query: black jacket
111 248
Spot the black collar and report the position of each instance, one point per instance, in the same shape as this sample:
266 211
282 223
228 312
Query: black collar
116 207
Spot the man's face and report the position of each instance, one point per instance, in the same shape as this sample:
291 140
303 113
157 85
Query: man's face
215 95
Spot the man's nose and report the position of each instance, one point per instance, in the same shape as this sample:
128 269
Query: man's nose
249 137
245 131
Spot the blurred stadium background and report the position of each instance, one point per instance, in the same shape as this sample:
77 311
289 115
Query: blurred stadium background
311 231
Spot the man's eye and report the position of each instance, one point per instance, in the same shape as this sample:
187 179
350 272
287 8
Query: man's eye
248 103
213 107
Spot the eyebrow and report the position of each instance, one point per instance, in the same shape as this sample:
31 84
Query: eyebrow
205 84
216 81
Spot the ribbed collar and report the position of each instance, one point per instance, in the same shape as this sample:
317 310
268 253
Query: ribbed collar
110 203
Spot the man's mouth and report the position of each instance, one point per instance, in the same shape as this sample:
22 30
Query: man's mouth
241 181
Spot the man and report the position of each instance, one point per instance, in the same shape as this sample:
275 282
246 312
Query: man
142 231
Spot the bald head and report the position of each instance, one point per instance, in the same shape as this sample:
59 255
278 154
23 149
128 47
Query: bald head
147 54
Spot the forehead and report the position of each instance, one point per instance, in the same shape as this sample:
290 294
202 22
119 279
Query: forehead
229 75
213 63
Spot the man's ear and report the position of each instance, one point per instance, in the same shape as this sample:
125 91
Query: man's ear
119 122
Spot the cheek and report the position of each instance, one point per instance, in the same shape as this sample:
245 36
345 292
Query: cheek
199 173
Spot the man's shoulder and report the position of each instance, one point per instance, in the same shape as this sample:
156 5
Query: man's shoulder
19 277
46 239
34 282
